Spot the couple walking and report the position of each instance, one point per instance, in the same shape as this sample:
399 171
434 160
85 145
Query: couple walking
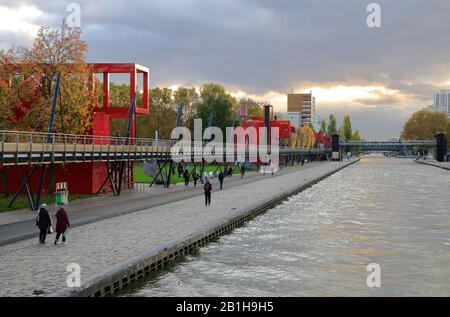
44 223
186 176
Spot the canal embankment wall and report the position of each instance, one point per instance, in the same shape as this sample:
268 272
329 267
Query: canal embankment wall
443 165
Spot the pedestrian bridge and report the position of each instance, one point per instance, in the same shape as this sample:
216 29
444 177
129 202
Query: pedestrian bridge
388 145
21 148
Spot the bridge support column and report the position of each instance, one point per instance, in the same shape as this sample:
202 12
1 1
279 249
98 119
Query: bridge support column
441 147
335 153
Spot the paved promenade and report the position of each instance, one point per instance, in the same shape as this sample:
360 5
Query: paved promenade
20 224
103 245
444 165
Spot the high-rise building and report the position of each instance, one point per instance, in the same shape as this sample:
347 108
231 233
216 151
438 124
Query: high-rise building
305 104
294 117
442 101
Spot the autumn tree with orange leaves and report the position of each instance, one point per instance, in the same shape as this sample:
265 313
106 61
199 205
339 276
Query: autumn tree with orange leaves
424 124
27 81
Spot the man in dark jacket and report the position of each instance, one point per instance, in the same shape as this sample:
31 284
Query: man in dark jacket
208 189
44 222
186 177
221 178
242 170
62 223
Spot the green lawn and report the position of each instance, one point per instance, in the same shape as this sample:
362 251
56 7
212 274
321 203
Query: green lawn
22 201
140 177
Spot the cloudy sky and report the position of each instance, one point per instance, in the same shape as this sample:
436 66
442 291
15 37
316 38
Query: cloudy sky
267 48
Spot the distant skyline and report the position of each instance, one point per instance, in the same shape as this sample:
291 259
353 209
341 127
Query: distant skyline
265 49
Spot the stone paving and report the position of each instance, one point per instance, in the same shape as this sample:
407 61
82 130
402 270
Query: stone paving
97 247
18 225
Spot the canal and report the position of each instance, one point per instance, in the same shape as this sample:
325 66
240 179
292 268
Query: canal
388 211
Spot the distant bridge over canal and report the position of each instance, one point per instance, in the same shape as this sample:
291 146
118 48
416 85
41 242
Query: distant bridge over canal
388 145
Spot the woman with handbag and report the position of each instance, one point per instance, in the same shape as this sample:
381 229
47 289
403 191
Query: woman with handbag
62 224
44 222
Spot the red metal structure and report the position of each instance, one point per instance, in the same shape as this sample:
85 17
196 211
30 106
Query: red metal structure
285 128
87 178
103 114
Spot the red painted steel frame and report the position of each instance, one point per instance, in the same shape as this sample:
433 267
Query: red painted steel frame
86 178
106 111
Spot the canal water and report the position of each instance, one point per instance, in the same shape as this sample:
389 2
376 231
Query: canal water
391 212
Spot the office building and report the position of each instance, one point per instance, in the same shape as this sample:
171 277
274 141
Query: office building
294 117
442 102
305 104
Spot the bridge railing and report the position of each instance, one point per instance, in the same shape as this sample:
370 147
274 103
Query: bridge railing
23 137
21 147
388 143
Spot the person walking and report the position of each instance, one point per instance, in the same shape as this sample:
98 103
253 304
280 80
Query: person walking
62 224
195 177
44 223
186 177
180 169
230 171
272 167
242 170
208 189
221 178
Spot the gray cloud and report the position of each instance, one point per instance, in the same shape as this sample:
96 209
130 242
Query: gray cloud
259 46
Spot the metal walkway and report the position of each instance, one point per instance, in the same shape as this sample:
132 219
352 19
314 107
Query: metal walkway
388 145
30 148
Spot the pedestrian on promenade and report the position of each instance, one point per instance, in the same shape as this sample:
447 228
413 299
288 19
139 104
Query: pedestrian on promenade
180 169
195 177
242 170
221 178
62 224
208 189
272 166
186 177
230 171
44 222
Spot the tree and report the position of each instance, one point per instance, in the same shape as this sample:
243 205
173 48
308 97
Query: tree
448 128
29 76
347 128
190 100
253 108
323 127
218 103
119 95
356 136
332 129
341 132
424 124
162 117
306 136
8 90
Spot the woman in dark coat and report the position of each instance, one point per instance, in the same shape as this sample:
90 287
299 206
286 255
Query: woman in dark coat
44 222
62 223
